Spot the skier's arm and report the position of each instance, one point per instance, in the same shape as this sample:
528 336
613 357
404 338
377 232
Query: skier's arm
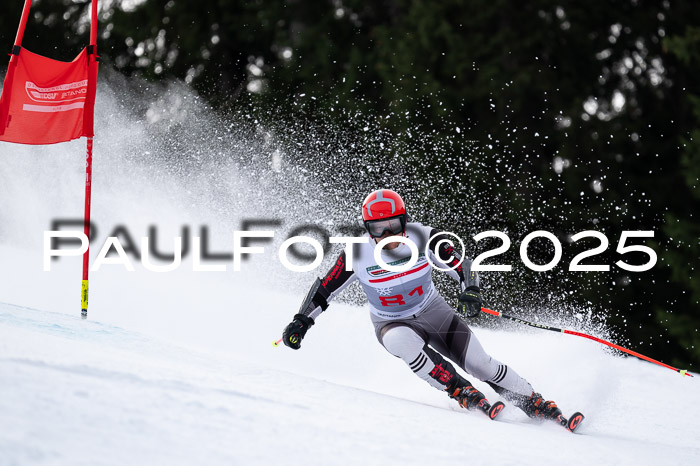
469 303
316 301
325 290
463 273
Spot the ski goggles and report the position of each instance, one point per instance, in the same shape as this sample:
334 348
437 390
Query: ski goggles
394 225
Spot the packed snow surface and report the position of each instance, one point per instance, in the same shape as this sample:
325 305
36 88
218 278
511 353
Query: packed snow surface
89 392
178 368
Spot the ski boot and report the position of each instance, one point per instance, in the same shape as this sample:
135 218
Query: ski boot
467 396
470 398
536 407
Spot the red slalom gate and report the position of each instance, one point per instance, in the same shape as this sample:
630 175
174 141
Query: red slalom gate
46 101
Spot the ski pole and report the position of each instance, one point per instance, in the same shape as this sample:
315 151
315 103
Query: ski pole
277 343
584 335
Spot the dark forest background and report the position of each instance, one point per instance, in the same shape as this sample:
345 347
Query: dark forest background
597 102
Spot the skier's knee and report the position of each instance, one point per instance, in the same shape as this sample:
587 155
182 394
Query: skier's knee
402 341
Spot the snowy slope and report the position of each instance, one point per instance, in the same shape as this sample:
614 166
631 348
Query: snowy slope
82 392
178 368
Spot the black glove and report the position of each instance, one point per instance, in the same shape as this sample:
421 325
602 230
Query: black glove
295 331
469 303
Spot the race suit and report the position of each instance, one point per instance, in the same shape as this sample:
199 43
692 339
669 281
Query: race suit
411 320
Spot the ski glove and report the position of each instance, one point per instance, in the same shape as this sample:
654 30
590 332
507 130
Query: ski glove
295 331
469 303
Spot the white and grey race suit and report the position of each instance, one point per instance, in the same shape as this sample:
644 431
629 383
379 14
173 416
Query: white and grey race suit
411 320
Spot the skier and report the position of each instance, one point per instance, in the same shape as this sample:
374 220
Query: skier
411 320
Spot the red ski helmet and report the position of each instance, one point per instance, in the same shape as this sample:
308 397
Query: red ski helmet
383 210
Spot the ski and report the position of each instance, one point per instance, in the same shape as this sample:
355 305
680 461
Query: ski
570 424
491 410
